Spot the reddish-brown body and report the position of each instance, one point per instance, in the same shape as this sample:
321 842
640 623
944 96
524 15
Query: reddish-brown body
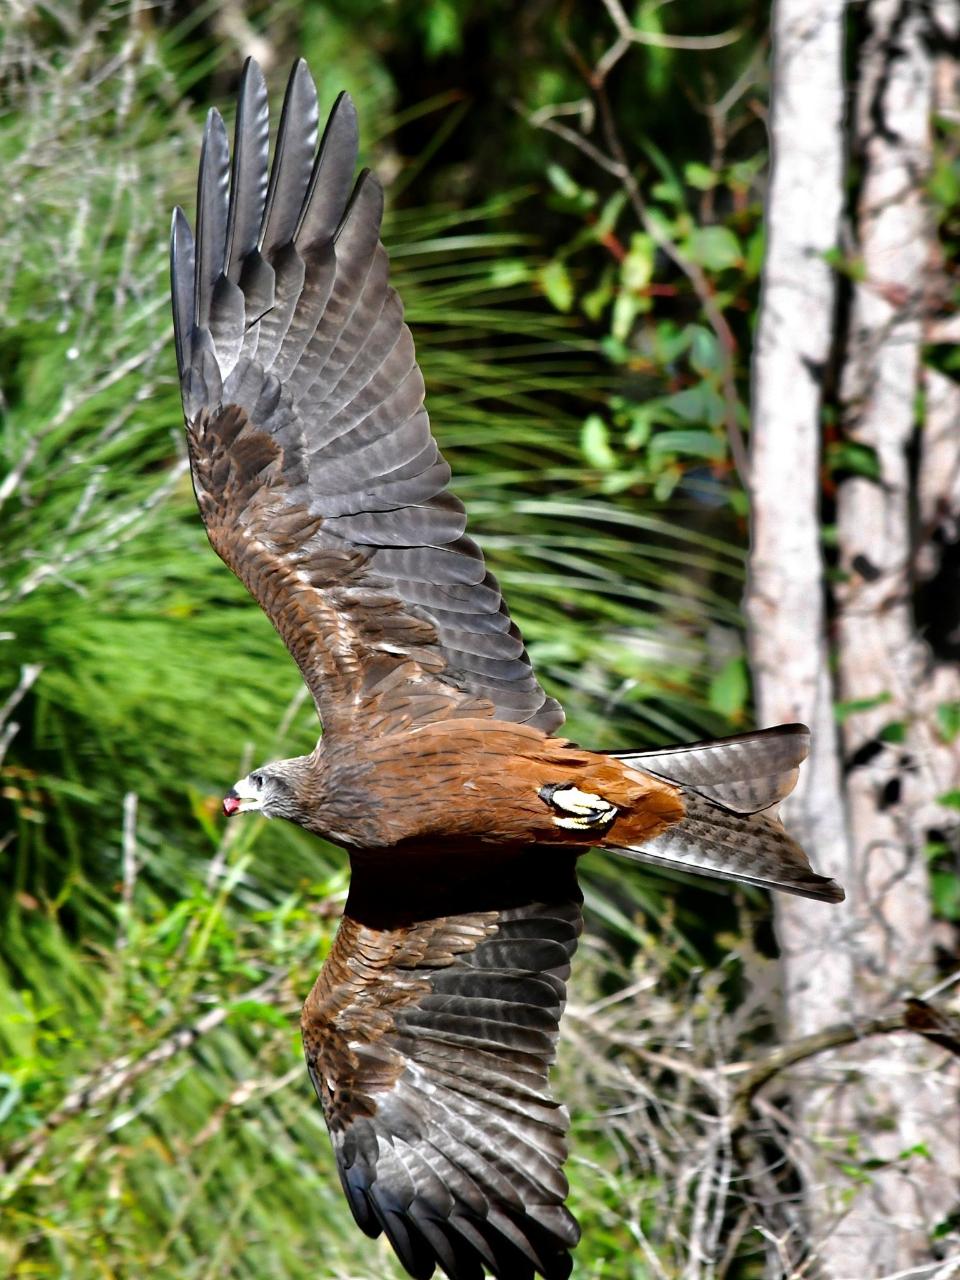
473 783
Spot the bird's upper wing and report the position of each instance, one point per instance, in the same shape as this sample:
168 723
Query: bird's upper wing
428 1036
318 479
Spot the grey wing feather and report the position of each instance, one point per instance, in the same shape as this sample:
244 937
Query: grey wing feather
293 161
747 773
248 180
286 311
447 1137
182 266
213 185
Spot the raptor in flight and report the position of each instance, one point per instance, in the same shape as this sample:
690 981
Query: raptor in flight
431 1028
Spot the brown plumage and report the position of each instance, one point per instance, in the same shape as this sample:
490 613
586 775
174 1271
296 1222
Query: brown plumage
431 1028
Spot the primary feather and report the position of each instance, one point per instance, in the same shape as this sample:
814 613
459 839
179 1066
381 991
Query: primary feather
304 405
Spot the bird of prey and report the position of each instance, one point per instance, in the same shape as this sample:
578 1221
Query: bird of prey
431 1028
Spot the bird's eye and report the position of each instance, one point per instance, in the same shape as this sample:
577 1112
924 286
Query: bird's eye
257 779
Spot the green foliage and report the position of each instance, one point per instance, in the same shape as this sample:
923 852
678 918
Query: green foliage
649 265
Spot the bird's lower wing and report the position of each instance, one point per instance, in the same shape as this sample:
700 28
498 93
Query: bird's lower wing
428 1036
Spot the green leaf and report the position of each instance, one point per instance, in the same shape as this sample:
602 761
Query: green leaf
852 267
641 418
442 29
705 353
895 731
945 893
944 183
699 176
753 256
556 284
695 444
596 301
853 706
636 270
701 403
561 182
667 192
857 459
666 482
626 308
595 444
570 196
715 248
254 1011
509 272
729 689
949 799
609 214
948 720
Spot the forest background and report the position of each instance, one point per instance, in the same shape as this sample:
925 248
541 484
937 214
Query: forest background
592 254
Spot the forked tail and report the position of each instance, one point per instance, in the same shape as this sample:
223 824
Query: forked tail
731 790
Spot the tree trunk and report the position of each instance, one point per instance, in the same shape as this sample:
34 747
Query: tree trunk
860 957
786 599
884 666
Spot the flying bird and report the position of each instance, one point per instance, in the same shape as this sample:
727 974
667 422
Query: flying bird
431 1028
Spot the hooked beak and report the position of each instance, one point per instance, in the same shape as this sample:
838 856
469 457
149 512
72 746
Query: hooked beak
243 797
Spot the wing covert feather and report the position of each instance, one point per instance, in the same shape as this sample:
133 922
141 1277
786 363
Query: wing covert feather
287 328
429 1035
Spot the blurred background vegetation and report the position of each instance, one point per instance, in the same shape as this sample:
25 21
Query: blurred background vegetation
583 319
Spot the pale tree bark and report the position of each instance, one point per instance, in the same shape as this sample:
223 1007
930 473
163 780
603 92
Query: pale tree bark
865 829
786 600
884 665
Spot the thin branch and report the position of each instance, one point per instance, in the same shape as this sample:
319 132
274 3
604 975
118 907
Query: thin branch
129 866
660 39
9 728
918 1016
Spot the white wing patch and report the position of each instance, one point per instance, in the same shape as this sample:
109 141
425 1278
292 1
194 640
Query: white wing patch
577 810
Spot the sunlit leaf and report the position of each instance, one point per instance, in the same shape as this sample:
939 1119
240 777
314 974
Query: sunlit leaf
715 248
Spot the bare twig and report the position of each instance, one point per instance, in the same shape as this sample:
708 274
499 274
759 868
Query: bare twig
129 866
934 1024
240 1095
9 728
628 34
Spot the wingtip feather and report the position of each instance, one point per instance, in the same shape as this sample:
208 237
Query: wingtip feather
248 176
212 207
293 159
181 283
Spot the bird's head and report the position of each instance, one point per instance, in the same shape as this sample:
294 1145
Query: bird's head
266 790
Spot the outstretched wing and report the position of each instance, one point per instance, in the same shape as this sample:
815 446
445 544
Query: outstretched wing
317 477
428 1037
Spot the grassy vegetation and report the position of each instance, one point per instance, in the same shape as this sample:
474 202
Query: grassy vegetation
129 914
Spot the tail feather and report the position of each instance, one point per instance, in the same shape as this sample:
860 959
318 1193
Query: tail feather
747 773
749 848
731 789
